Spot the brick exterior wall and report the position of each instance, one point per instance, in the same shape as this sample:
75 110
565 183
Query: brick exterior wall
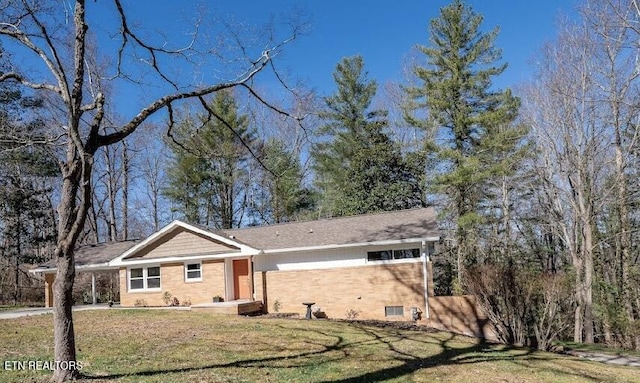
48 289
363 289
172 281
460 314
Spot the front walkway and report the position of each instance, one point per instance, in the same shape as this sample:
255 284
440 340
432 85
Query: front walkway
618 359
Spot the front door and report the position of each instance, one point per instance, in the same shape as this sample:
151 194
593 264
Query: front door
241 284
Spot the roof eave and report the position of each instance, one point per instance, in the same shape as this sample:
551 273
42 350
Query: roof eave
119 261
181 259
83 268
348 245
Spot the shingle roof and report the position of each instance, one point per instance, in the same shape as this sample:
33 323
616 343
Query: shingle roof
97 254
404 224
397 225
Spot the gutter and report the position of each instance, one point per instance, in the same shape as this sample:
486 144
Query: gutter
84 268
347 245
177 259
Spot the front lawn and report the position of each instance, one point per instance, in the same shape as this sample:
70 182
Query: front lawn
182 346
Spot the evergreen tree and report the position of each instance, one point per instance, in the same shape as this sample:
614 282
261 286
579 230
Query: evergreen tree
27 228
208 178
466 117
359 169
281 192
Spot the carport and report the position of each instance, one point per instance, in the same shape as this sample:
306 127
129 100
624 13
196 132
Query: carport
88 259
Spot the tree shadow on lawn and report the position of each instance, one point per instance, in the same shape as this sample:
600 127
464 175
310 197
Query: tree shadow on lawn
475 353
410 363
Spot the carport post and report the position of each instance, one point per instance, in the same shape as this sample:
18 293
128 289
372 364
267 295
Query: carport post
93 288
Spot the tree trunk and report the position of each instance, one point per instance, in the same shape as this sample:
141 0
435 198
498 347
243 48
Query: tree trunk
588 285
93 222
112 189
72 213
63 333
16 296
125 190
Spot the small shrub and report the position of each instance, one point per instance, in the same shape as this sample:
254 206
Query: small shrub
276 306
140 303
166 297
351 314
526 307
320 314
174 302
186 302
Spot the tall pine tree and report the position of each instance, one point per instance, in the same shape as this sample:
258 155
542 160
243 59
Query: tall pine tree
465 117
280 194
359 169
208 178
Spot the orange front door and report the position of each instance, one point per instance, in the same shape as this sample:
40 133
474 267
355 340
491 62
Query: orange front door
241 286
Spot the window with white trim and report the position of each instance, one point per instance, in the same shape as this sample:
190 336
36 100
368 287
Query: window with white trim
144 278
388 255
193 272
136 279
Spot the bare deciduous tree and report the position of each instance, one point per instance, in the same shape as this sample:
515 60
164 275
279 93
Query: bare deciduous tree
52 50
615 40
571 141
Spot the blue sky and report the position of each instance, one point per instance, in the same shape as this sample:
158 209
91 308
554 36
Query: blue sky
384 32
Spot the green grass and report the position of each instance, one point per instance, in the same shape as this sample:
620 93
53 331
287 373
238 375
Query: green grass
182 346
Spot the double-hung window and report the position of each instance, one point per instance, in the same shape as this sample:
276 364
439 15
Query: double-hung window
144 278
193 272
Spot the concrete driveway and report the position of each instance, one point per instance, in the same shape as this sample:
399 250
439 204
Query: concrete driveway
25 312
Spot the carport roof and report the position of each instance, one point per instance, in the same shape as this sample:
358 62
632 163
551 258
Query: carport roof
95 256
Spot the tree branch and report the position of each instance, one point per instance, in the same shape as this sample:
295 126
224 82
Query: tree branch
37 86
12 30
163 102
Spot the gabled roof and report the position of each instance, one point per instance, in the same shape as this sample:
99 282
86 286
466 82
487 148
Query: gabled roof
95 256
229 246
387 227
370 229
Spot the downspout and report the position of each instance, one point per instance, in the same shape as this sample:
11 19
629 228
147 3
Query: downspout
425 259
93 288
253 283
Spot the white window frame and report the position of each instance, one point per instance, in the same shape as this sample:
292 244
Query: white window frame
186 271
393 258
145 279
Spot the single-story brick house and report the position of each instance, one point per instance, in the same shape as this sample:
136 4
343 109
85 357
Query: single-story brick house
374 266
